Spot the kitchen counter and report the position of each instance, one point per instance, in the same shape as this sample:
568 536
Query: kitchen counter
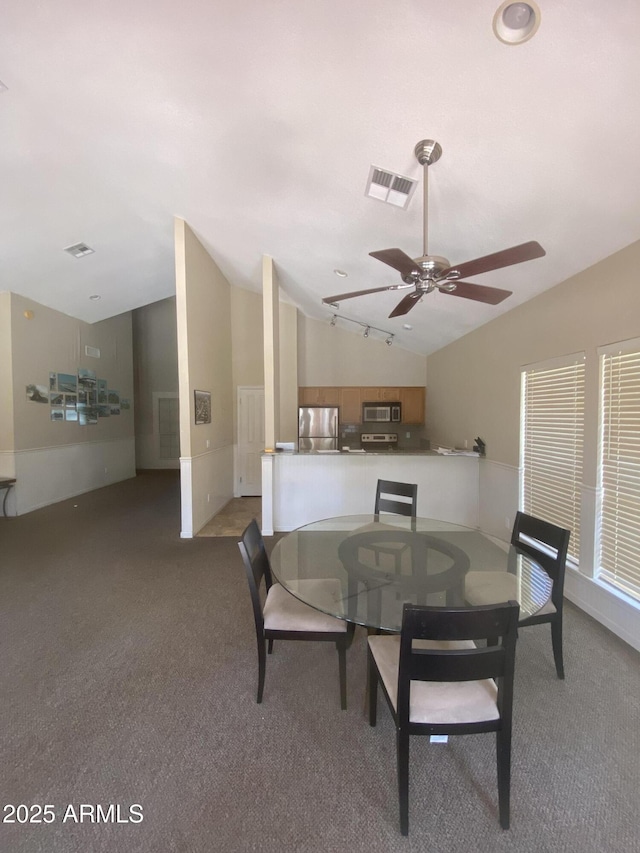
298 488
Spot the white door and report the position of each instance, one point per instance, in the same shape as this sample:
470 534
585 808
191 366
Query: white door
250 440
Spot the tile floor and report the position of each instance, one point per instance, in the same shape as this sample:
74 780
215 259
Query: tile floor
234 517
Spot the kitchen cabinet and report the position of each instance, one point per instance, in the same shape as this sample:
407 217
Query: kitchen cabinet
350 405
413 404
373 394
350 399
318 396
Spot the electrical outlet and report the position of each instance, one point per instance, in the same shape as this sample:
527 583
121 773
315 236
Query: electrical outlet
407 435
208 499
466 444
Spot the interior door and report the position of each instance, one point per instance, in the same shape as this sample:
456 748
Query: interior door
250 440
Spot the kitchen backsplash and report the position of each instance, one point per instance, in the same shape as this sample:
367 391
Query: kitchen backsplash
409 437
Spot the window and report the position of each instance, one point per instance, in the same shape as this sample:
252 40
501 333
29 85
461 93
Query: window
619 467
552 438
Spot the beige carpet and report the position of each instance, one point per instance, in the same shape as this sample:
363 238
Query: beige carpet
234 517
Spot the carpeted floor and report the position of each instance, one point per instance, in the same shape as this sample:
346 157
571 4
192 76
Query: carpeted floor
129 674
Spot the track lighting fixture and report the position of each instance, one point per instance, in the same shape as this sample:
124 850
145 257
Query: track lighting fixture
366 326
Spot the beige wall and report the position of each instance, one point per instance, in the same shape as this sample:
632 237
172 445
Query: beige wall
203 312
6 385
474 383
331 355
155 360
52 341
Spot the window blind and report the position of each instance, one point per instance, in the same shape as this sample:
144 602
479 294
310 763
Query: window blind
619 530
552 445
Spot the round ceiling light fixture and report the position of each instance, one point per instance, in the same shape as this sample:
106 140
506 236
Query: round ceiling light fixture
515 23
95 297
341 273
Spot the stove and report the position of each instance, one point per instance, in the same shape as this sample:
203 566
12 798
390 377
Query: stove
379 440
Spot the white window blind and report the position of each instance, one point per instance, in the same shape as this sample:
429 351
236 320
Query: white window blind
552 444
619 533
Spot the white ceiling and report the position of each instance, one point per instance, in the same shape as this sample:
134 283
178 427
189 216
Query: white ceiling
257 123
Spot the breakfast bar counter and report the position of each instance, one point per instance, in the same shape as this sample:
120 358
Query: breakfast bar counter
298 488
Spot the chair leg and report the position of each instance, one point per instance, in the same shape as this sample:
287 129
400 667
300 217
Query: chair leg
270 646
402 746
341 646
503 756
556 642
372 689
262 665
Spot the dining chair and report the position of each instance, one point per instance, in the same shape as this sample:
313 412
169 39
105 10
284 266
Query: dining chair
282 616
547 544
388 493
437 681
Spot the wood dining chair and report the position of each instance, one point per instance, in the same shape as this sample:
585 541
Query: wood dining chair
389 499
547 544
437 681
285 617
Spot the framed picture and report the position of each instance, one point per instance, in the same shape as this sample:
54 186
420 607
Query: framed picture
202 401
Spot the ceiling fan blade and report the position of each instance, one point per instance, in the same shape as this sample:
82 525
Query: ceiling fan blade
405 305
498 260
397 259
340 296
479 292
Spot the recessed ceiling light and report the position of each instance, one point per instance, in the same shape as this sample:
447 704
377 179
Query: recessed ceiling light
407 326
95 297
515 23
341 273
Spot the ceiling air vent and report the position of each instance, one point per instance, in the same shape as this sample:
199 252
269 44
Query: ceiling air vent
389 187
79 250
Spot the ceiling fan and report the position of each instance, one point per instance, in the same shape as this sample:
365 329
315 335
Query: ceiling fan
432 272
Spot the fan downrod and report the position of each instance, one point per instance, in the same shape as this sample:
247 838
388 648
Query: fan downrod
428 152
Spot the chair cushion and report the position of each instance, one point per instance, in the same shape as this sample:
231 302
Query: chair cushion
284 612
495 587
441 702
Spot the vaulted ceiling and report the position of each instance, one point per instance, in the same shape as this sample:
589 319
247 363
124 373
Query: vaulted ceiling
258 123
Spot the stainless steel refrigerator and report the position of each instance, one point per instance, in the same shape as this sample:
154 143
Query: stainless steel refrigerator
318 428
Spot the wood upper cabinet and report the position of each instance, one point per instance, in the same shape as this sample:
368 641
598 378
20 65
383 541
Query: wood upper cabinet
351 405
318 396
351 398
375 394
413 404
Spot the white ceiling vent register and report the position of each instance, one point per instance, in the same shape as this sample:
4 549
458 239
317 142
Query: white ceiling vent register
79 250
389 187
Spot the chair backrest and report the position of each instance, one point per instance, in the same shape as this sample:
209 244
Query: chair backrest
547 544
398 507
473 664
257 567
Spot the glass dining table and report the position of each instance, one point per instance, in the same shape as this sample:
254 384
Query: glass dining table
383 561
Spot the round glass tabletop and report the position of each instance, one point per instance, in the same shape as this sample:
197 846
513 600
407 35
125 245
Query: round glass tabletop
384 561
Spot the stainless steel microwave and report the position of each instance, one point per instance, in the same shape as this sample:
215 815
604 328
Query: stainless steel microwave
381 413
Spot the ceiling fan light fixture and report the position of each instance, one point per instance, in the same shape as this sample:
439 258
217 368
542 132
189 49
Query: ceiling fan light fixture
515 23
